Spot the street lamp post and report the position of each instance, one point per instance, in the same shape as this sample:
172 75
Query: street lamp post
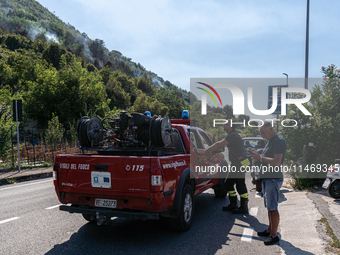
18 141
277 116
287 78
307 46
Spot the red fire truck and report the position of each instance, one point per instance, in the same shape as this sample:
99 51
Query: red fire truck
140 167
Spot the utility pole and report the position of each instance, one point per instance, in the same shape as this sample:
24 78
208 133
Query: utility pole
17 116
18 142
307 46
287 78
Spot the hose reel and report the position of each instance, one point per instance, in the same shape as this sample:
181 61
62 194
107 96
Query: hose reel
90 131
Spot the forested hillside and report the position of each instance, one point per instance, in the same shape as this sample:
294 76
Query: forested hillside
57 70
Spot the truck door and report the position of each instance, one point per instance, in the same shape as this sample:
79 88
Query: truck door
214 159
199 163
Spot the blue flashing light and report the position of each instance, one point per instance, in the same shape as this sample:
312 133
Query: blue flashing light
185 114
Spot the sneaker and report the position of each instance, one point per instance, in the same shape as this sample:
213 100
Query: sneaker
263 233
272 240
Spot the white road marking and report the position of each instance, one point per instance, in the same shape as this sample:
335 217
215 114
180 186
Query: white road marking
52 207
18 186
253 211
4 221
247 234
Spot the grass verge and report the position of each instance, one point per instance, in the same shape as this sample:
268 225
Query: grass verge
334 242
10 181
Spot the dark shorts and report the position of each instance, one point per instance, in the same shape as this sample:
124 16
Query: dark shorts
271 193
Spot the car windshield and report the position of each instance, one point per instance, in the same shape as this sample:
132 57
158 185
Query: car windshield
255 143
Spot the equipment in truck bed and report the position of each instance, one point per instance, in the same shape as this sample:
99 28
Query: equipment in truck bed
137 133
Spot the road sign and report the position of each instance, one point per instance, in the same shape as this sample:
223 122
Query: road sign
270 97
17 103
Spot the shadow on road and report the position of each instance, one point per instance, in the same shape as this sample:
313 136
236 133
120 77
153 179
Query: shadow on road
324 193
210 232
287 247
124 236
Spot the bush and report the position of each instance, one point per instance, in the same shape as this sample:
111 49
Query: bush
54 132
304 183
5 137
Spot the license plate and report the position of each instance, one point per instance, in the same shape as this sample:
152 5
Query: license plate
108 203
101 180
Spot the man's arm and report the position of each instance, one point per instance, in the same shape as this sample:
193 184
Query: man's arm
217 146
276 161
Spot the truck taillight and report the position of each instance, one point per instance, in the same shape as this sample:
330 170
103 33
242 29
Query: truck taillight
55 174
156 180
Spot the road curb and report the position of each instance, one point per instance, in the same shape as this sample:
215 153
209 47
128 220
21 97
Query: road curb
26 178
296 209
324 209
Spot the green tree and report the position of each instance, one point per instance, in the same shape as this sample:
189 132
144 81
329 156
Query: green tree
14 42
97 48
206 122
53 54
72 132
145 85
118 96
249 131
6 121
144 103
5 136
5 101
316 134
54 132
68 93
158 108
17 69
173 100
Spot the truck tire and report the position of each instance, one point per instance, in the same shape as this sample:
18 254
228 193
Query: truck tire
186 210
90 218
334 189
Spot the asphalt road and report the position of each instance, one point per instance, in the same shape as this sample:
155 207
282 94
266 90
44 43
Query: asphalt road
31 223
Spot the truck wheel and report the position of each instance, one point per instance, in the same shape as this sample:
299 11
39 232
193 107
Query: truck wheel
90 218
187 210
334 189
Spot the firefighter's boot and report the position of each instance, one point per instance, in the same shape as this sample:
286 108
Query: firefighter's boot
232 205
243 208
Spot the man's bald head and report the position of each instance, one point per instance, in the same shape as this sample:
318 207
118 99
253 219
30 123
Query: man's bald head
267 131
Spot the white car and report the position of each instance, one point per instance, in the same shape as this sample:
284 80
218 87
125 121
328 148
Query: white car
333 180
258 143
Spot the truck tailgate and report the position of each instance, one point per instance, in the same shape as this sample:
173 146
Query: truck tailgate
114 176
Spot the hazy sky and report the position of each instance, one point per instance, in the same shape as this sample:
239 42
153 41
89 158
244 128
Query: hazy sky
180 40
